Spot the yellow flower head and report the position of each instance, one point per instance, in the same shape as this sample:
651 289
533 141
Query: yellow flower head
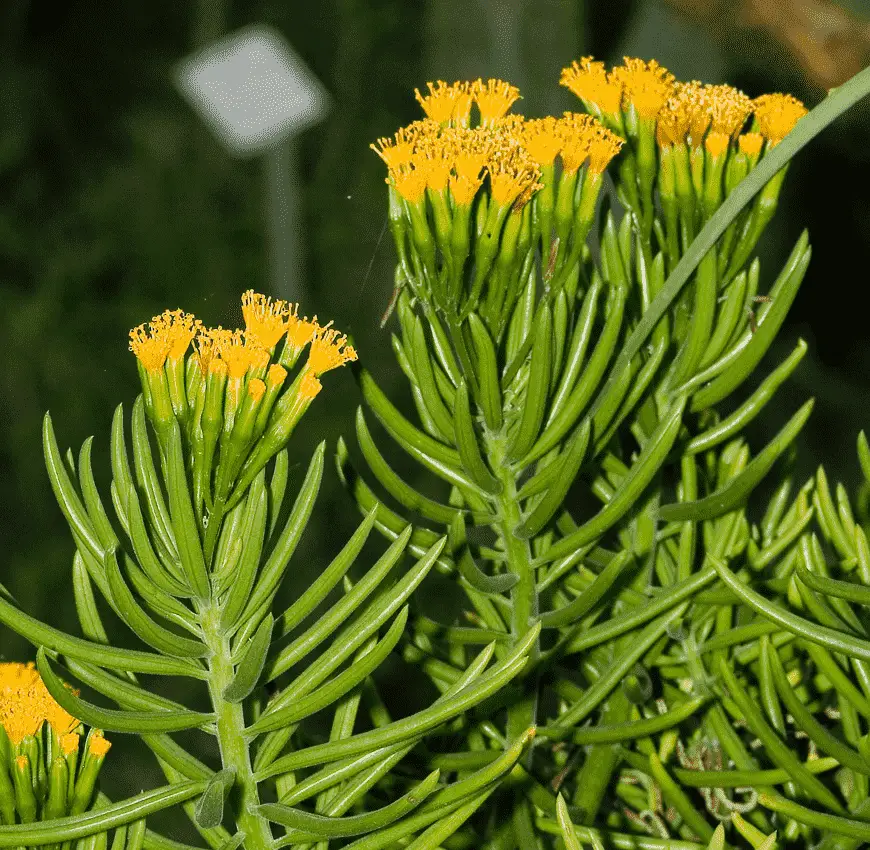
409 181
239 350
329 350
493 98
300 331
542 139
696 100
729 109
309 386
592 84
470 154
69 743
149 345
256 389
750 143
573 131
463 189
276 375
684 112
446 103
25 704
647 85
716 143
435 157
98 745
217 367
265 318
777 114
512 174
671 127
397 151
204 350
166 335
180 328
603 147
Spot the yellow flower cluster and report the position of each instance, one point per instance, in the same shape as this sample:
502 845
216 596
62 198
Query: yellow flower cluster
682 111
443 152
26 704
239 352
452 103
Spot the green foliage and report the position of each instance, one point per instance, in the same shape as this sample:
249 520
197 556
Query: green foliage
591 472
191 562
656 648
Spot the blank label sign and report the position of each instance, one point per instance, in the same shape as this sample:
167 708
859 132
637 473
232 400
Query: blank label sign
252 90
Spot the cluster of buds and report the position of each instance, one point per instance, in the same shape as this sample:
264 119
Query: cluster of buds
471 203
228 390
41 773
691 141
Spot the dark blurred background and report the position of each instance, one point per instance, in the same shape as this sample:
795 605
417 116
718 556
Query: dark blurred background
116 202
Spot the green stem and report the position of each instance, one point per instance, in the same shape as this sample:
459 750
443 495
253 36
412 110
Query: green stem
231 728
215 518
524 594
455 327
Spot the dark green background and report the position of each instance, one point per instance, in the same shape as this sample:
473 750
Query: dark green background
115 203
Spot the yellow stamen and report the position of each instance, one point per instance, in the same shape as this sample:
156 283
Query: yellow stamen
541 138
472 149
777 114
265 318
716 143
150 345
463 189
511 173
591 83
203 350
180 328
435 158
329 350
683 111
510 126
493 98
300 331
603 147
575 131
446 102
98 745
309 386
750 143
409 182
647 85
729 109
696 102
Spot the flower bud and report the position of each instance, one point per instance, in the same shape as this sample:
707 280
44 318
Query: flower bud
23 781
95 753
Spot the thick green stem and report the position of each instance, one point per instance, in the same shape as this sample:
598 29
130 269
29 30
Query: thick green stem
524 594
230 728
